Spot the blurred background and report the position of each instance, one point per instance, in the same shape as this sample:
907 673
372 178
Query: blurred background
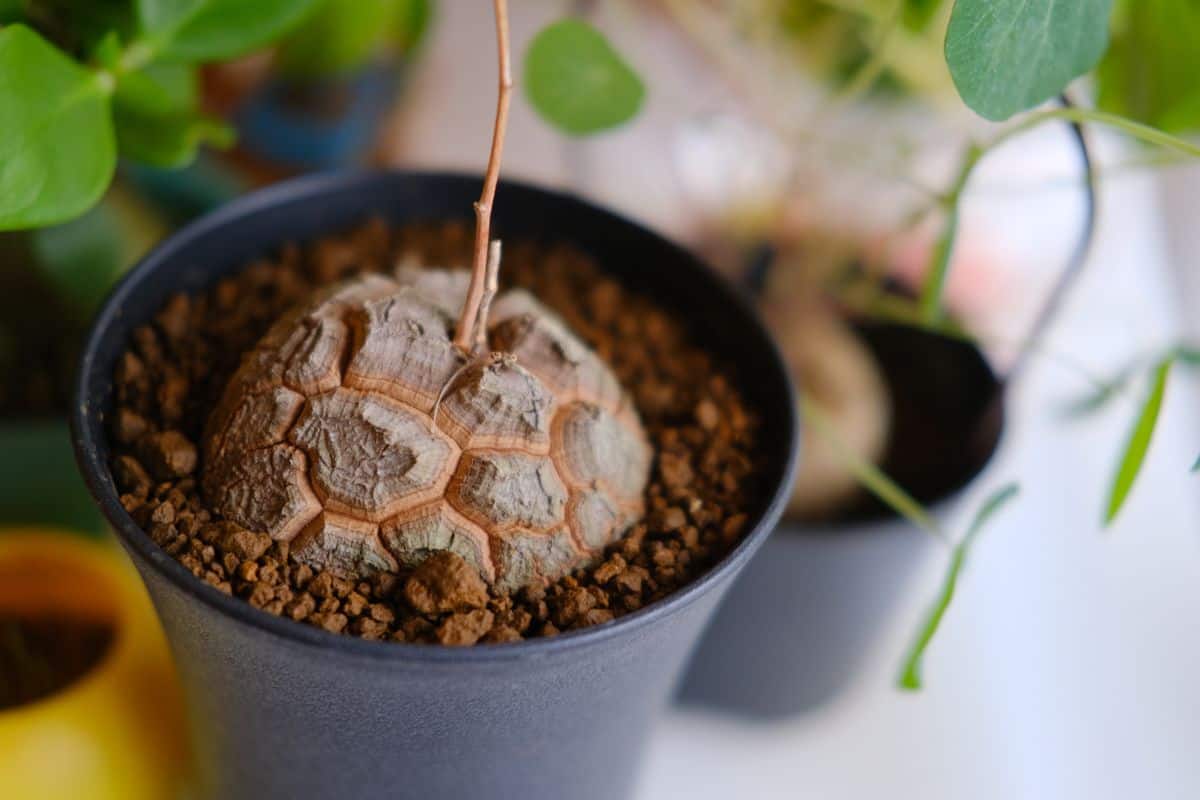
1067 666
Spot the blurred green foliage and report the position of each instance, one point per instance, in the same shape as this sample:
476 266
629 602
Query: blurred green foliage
1151 72
39 482
340 38
80 78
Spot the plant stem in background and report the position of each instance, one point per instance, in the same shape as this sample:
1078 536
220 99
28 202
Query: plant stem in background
873 479
895 497
483 208
935 279
939 259
910 673
878 304
865 76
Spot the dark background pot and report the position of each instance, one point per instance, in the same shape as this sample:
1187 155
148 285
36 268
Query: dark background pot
797 625
283 710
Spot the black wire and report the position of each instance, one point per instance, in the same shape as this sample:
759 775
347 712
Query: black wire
758 267
1079 256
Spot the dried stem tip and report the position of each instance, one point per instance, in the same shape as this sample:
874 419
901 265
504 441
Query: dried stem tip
467 321
491 286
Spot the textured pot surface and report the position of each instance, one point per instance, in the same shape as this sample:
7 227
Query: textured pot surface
283 710
796 627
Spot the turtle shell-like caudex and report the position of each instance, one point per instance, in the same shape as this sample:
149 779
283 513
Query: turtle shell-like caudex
359 433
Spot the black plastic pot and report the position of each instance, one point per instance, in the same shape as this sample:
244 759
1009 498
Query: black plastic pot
283 710
794 630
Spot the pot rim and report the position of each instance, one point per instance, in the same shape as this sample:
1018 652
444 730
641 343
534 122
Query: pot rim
311 188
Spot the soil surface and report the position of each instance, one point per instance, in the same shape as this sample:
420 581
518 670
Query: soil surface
43 655
703 435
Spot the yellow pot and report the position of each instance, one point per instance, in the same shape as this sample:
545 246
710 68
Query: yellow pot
115 732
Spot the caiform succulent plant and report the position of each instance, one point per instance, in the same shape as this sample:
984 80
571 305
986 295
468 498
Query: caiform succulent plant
371 430
357 430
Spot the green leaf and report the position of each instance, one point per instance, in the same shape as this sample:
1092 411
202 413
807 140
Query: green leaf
910 673
107 52
1100 396
1134 454
169 141
1196 465
338 37
57 149
578 82
1186 354
158 89
1007 56
1149 72
870 476
156 118
214 30
81 258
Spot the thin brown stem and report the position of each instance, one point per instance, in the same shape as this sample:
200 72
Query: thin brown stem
483 208
491 286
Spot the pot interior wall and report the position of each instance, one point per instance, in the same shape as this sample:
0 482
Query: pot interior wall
947 415
58 619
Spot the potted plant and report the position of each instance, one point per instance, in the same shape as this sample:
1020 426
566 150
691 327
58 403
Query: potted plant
927 410
89 706
998 76
618 518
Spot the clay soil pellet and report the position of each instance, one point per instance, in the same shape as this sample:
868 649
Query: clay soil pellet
704 438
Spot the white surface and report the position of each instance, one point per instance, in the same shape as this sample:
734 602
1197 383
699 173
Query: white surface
1067 668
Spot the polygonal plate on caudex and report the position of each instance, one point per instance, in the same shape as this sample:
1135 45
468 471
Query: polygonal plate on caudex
371 456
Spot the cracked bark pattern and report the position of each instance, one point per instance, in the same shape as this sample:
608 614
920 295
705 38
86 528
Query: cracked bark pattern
357 431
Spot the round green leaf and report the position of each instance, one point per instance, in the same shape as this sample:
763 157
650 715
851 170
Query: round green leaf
577 81
57 149
1007 56
214 30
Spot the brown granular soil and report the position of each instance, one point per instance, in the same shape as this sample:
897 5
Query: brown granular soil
703 434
